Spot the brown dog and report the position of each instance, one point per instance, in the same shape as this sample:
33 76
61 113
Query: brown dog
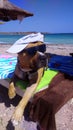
30 66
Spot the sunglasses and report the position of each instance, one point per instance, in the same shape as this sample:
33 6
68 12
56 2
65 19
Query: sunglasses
33 50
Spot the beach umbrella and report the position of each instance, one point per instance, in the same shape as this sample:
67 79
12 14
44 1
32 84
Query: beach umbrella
9 11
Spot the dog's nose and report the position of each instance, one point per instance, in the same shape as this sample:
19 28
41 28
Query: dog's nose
43 59
42 56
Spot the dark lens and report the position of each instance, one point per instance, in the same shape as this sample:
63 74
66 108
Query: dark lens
42 48
31 51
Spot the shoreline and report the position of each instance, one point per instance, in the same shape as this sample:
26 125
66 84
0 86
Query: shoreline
60 49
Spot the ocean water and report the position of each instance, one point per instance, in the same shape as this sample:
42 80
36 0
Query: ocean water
48 38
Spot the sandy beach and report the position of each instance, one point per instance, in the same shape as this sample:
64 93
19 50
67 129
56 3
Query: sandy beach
62 49
64 118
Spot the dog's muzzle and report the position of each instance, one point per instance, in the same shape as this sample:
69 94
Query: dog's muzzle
42 60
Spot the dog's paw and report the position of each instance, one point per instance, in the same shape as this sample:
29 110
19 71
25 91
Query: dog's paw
17 116
11 91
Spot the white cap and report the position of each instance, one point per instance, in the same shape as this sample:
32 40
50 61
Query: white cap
20 44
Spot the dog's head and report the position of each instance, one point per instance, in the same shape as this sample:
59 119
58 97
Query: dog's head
32 57
30 50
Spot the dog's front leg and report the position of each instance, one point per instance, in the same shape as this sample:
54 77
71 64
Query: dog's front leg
11 90
27 95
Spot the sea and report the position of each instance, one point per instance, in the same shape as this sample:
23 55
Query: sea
59 38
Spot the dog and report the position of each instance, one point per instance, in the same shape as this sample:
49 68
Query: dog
31 62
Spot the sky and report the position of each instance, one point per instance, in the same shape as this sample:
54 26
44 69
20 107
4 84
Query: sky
53 16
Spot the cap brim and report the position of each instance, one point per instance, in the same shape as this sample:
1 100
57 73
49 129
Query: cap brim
16 48
21 43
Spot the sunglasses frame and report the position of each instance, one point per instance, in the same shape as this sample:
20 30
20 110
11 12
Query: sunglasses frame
33 50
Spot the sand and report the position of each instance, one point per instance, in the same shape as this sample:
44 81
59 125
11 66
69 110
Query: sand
64 118
62 49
